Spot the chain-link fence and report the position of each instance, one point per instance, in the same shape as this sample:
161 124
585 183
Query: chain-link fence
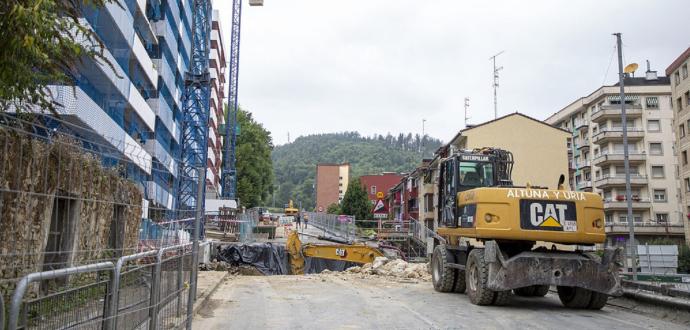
73 204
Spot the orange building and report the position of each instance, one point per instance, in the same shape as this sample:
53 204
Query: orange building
331 184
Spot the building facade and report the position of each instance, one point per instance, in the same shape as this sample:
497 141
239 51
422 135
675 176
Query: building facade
331 184
680 100
134 106
217 66
379 183
539 149
596 156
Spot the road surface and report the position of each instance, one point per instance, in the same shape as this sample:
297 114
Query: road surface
339 301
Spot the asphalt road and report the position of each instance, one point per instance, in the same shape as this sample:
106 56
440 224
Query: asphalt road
350 302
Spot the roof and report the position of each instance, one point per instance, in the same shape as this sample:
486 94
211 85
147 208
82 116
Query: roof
333 164
675 64
503 117
643 81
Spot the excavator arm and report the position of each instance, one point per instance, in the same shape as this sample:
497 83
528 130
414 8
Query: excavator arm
356 253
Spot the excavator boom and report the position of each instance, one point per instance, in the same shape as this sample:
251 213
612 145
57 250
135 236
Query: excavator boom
356 253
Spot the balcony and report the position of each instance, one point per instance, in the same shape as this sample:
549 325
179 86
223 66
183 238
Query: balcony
583 164
582 124
156 149
616 134
159 195
619 180
622 204
584 185
614 112
611 158
645 228
583 144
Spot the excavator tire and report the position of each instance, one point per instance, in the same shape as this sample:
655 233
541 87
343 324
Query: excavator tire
598 300
540 290
476 277
442 276
574 297
502 298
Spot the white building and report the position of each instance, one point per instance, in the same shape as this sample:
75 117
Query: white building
596 156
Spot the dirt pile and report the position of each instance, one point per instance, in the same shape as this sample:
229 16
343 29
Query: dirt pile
233 270
394 268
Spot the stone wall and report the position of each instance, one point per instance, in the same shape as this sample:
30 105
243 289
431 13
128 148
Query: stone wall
32 174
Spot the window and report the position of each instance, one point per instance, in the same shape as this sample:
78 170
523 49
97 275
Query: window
652 102
657 171
608 218
662 217
340 191
607 195
476 174
340 184
620 170
687 185
677 77
656 148
373 189
685 71
660 195
624 218
653 125
340 178
687 98
679 104
681 130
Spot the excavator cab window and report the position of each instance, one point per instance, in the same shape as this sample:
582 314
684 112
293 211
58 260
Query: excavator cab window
475 174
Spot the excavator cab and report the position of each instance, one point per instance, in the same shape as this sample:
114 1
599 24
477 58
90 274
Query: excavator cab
469 169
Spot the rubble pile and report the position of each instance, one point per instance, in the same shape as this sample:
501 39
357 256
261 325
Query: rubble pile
393 267
232 269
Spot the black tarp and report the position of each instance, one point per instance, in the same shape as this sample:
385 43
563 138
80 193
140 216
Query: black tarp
272 259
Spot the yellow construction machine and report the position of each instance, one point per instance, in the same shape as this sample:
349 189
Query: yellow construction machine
357 253
488 231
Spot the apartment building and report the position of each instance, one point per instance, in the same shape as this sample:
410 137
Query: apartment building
331 184
135 107
217 65
379 183
596 161
680 99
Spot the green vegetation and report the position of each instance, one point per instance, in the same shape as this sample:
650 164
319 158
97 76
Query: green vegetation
254 165
41 44
295 163
356 201
333 209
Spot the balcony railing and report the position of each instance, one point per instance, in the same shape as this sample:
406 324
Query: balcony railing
614 112
607 134
619 179
633 156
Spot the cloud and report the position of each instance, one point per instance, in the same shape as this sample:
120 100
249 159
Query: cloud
378 66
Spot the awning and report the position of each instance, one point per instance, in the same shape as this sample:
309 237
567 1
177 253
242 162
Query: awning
628 98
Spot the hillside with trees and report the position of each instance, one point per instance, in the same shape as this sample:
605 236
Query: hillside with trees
294 164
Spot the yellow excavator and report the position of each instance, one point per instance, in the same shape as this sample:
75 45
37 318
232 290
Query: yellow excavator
488 230
357 253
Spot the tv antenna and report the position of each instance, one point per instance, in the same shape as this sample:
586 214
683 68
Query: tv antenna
493 58
467 106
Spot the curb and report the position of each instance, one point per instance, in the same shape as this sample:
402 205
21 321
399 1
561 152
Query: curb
202 303
665 301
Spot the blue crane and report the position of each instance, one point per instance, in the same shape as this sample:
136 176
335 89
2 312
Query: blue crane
195 114
228 178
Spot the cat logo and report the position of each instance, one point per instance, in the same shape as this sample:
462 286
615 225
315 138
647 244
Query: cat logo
547 215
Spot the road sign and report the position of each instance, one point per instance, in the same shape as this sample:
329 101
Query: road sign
379 195
320 208
379 206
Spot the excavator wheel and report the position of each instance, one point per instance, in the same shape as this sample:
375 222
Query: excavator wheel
598 300
574 297
476 277
442 276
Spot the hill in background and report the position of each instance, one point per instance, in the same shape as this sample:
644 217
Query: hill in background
294 164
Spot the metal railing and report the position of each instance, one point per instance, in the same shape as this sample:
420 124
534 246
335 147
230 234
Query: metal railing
332 224
142 290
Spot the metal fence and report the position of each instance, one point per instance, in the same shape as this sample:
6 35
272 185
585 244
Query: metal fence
144 290
74 251
333 225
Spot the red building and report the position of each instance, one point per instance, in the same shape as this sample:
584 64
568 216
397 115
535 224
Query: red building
379 183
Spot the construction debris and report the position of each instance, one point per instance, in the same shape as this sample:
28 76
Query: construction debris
393 268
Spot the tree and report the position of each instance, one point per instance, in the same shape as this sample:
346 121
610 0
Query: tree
254 164
356 201
333 209
41 43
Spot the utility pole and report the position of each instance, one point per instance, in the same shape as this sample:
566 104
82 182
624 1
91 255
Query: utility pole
632 247
467 106
493 58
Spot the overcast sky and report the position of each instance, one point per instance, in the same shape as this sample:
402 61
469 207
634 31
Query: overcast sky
379 66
